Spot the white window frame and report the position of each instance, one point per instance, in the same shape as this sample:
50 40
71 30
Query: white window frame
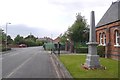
100 35
104 39
117 37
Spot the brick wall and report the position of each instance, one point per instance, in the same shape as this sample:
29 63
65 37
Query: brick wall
109 30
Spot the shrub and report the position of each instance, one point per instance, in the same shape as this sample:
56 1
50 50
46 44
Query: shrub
101 51
30 43
49 46
78 45
39 43
82 50
4 49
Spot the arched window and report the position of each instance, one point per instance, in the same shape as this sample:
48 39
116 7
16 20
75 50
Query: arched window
100 38
117 38
104 39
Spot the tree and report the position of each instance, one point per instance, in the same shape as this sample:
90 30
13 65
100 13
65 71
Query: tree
78 32
19 40
1 31
30 42
63 38
2 35
9 39
39 43
32 37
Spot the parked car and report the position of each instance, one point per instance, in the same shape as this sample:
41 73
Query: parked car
22 45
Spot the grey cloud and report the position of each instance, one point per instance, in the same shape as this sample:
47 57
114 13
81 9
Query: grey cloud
77 4
24 30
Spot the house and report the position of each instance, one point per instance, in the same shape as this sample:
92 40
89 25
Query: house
56 40
46 39
108 31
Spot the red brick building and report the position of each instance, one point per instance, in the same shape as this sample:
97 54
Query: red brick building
56 40
108 31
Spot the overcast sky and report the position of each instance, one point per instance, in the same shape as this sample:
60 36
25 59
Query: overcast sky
46 17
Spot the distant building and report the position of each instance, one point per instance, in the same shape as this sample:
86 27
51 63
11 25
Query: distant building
108 31
56 40
46 39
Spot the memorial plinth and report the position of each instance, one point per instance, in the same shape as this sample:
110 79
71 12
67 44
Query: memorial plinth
92 60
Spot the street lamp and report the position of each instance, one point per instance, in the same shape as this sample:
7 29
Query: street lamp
67 39
6 34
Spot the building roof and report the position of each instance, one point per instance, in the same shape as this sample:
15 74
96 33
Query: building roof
45 39
111 15
56 40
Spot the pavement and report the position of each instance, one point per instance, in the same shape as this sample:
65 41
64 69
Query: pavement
31 62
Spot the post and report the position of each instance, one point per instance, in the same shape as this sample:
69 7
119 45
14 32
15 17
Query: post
6 34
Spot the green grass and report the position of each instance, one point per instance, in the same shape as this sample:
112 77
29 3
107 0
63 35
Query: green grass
73 64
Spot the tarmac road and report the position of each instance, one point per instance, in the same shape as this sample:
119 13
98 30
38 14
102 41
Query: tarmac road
31 62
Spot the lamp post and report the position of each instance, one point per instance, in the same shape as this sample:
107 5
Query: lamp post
6 34
67 44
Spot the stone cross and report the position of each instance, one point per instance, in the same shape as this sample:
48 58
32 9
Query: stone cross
92 60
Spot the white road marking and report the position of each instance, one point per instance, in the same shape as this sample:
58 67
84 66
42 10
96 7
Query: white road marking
55 67
15 70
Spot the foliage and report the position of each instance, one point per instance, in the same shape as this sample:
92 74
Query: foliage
82 50
78 45
32 37
63 38
9 39
30 42
3 39
73 65
3 48
39 43
2 35
78 32
49 46
62 46
101 51
19 40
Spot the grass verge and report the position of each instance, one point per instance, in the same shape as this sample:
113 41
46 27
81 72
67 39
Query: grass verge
73 65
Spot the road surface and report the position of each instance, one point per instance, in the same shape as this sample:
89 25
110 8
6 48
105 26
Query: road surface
32 62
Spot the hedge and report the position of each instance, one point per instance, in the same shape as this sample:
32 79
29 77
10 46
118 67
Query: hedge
49 46
101 51
3 48
82 50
